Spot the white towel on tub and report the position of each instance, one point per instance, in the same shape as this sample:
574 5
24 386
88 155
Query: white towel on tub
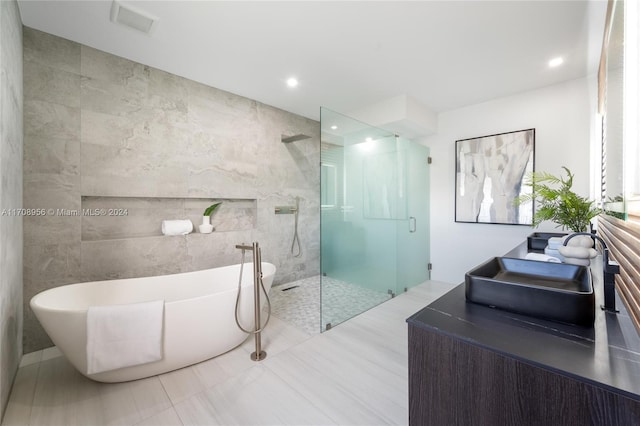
124 335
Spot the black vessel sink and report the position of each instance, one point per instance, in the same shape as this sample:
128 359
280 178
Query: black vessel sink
553 291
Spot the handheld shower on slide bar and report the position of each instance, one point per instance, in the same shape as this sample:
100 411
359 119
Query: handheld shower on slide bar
296 248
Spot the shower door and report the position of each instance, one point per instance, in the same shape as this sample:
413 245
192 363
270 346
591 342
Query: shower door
413 255
374 230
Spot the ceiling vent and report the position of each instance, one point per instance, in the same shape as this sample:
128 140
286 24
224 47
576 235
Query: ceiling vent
133 17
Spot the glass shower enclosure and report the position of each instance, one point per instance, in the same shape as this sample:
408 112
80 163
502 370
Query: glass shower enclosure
374 219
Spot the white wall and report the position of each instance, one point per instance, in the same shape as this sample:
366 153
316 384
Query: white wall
562 117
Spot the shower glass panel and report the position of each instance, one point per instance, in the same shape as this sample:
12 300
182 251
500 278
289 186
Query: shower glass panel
374 229
412 235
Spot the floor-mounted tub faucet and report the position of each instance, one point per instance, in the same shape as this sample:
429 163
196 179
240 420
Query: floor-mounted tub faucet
610 269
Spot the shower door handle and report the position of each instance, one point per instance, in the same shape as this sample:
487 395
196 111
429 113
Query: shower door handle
412 224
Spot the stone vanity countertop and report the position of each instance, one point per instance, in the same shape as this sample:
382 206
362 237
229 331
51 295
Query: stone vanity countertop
605 355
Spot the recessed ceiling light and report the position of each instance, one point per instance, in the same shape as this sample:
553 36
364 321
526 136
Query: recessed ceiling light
555 62
292 82
334 127
369 140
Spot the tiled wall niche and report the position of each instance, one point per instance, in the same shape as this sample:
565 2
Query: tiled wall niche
103 129
112 218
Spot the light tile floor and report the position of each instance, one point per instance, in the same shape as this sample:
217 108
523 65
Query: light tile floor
297 302
354 374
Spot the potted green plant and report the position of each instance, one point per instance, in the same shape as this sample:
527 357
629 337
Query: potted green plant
557 202
207 227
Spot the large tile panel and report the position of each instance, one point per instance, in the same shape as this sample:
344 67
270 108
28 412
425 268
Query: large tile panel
51 85
51 51
135 257
64 397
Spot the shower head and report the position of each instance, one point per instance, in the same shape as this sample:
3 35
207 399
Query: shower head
289 139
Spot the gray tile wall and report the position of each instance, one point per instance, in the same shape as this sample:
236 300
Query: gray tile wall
100 126
10 196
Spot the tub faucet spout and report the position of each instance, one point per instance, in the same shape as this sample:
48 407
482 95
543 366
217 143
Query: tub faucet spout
610 269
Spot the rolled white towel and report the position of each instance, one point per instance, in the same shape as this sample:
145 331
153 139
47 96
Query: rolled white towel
176 227
576 261
542 257
581 241
577 252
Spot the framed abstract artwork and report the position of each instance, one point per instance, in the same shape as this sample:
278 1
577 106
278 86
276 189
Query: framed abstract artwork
490 172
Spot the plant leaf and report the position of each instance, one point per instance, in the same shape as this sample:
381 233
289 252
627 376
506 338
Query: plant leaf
209 210
556 202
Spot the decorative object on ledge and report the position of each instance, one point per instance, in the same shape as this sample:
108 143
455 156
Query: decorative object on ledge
489 176
207 227
557 202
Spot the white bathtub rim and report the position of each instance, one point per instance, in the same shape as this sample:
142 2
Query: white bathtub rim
34 300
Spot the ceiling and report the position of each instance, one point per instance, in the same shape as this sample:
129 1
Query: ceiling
347 55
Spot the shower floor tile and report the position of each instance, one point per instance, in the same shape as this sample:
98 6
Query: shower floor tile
298 302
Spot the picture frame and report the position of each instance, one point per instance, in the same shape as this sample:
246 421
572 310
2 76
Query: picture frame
490 173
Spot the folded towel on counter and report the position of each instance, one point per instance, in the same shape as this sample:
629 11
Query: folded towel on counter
554 242
176 227
542 257
553 253
577 252
124 335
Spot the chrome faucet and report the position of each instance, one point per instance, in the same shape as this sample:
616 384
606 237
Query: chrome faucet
610 269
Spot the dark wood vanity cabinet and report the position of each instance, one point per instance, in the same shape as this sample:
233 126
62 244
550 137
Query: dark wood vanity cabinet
454 382
474 365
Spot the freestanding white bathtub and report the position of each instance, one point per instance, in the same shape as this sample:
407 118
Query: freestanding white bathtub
199 318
